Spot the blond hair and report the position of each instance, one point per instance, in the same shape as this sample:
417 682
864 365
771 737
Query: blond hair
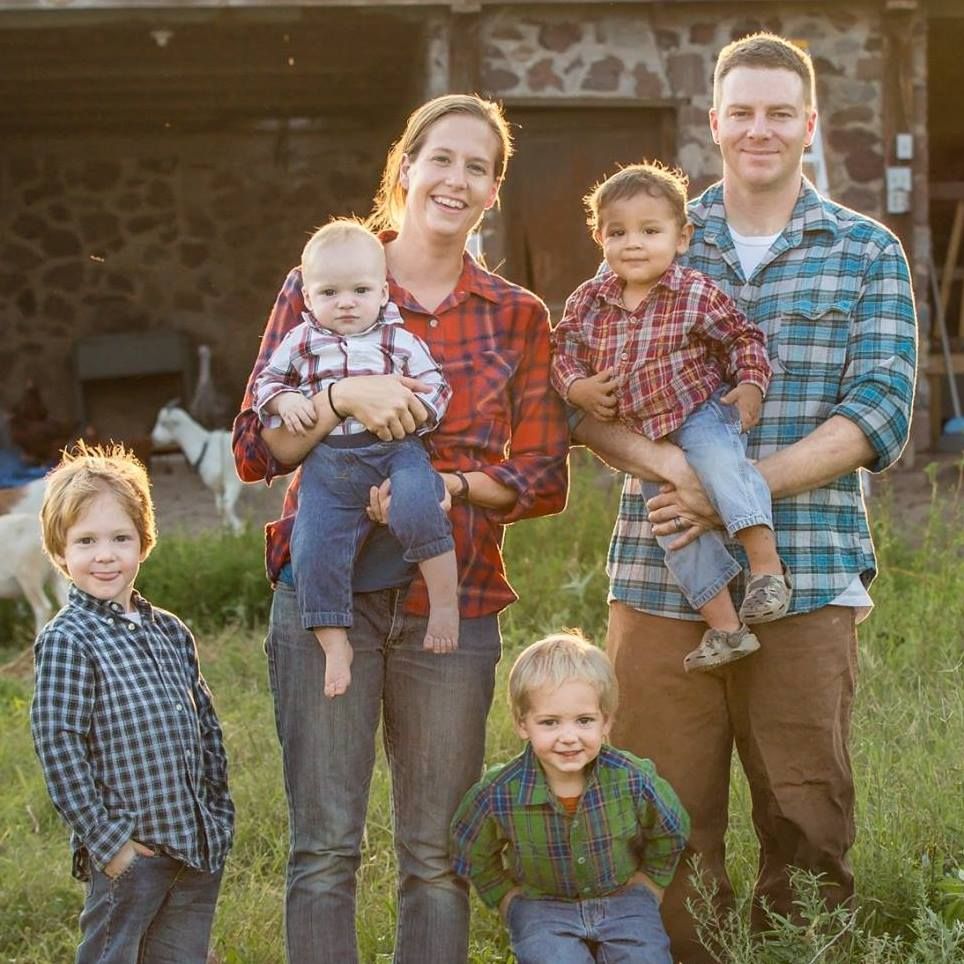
84 473
649 177
765 51
389 204
555 660
341 231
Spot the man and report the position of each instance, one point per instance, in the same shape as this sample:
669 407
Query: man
831 290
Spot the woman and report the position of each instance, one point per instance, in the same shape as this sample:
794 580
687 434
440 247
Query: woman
501 450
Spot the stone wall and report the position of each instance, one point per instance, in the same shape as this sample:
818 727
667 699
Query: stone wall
103 234
664 53
194 233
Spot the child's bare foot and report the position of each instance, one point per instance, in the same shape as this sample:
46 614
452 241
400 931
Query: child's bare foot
441 580
338 657
442 633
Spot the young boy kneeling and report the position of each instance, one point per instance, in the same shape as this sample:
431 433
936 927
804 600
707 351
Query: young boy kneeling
573 840
124 727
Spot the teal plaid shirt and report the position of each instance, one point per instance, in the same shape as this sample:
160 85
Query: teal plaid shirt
834 298
511 831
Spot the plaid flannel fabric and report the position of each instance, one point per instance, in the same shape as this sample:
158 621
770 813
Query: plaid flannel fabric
669 354
310 358
127 736
834 298
510 831
491 339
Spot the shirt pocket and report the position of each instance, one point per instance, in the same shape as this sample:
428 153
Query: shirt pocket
811 340
480 412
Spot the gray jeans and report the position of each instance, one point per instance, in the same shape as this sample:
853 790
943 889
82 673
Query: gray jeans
433 708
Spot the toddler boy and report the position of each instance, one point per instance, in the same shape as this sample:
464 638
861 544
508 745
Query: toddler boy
664 350
351 328
124 726
572 840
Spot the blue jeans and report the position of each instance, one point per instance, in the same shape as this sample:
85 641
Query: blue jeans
158 911
332 524
715 449
433 709
622 928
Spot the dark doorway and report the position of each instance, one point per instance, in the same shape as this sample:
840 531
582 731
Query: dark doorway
561 153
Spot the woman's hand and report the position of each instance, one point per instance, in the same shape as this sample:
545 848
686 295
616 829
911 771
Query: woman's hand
385 404
380 499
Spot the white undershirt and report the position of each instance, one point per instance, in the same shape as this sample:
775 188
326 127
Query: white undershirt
751 250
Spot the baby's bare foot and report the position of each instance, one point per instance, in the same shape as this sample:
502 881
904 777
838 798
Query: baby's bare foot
338 657
442 632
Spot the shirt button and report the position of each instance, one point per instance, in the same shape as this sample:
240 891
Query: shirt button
625 354
433 322
580 860
179 708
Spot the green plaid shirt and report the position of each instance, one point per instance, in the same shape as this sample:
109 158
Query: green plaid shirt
834 297
511 831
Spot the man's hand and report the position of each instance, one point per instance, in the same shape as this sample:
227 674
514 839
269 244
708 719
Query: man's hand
683 498
296 411
596 395
385 404
748 400
125 857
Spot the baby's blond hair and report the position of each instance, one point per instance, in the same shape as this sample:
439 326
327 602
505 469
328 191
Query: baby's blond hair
84 473
341 231
555 660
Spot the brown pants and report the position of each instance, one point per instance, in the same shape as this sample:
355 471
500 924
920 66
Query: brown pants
786 708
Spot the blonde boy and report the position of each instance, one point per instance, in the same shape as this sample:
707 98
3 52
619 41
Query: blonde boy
351 328
124 726
573 840
661 348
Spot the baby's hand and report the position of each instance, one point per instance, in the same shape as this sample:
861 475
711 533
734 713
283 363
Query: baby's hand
297 412
748 400
596 395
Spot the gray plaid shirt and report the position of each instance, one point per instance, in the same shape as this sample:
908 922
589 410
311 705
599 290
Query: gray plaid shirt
834 297
126 733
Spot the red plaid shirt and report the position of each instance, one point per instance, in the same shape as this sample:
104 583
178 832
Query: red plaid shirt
492 340
684 340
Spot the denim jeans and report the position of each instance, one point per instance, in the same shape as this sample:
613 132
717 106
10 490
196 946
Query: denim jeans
715 449
158 911
622 928
433 709
332 524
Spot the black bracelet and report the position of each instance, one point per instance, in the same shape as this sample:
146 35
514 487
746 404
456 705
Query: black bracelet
331 403
463 494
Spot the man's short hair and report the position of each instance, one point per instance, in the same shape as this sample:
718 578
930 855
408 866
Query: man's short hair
765 51
555 660
648 177
85 472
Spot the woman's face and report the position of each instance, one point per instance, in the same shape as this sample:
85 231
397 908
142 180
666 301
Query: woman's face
452 179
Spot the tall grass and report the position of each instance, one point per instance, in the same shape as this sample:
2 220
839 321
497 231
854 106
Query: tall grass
907 739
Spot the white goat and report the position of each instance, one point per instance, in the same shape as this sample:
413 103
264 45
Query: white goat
24 568
209 454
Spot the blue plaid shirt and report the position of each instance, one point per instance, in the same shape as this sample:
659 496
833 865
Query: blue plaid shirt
833 296
127 736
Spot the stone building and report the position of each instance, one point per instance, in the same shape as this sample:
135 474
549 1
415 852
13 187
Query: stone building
161 163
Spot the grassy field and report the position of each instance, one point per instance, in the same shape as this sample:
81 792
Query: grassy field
907 748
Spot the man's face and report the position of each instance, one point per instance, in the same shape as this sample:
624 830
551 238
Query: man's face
762 125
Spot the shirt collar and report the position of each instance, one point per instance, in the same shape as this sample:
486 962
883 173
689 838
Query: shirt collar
812 213
105 609
611 285
474 280
534 788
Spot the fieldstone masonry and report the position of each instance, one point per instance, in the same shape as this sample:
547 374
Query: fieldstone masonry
196 232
